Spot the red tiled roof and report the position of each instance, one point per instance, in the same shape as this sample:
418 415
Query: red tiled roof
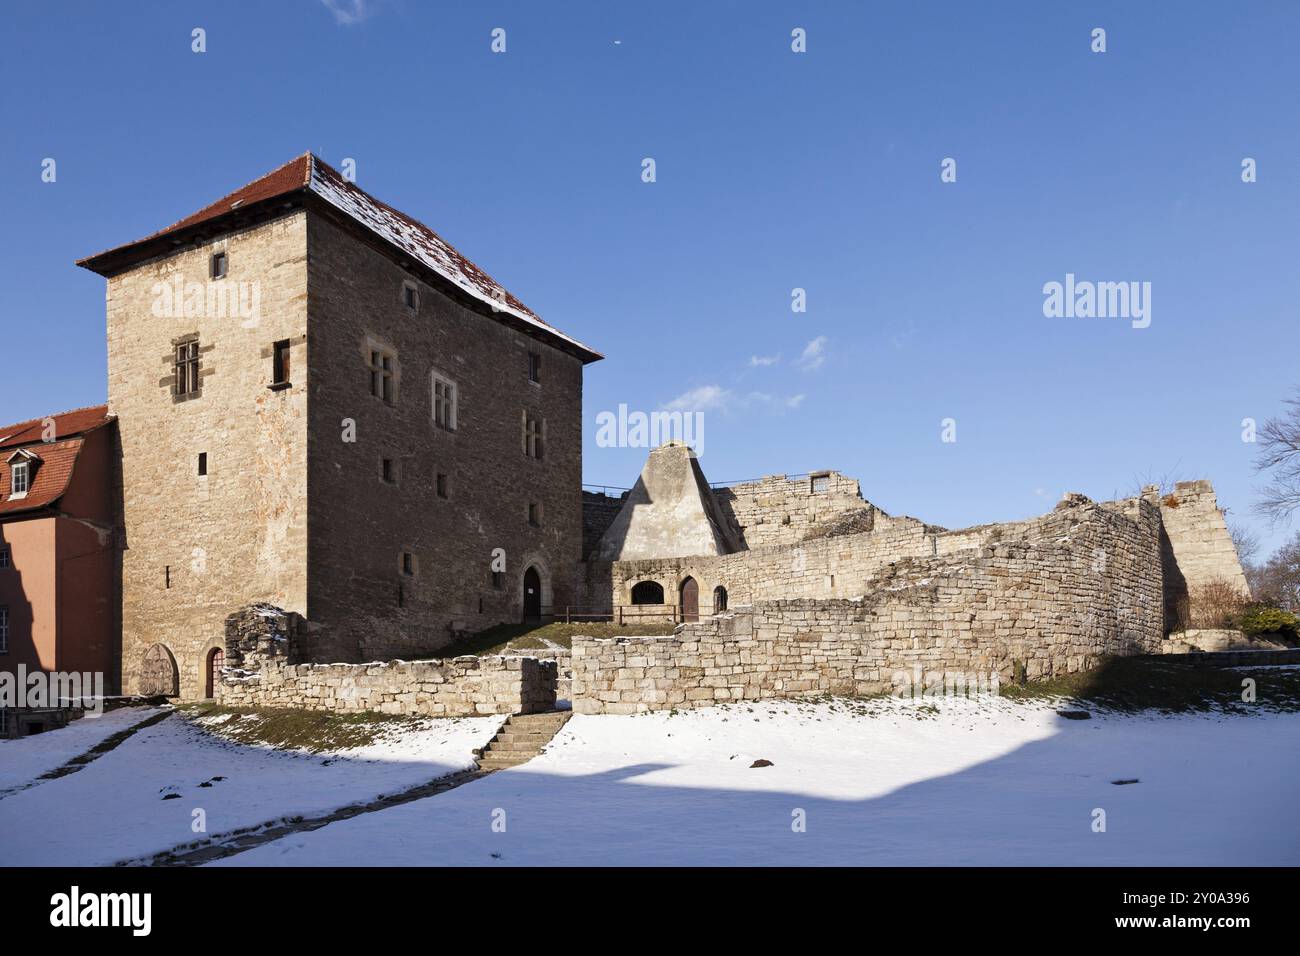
66 424
57 458
310 175
49 480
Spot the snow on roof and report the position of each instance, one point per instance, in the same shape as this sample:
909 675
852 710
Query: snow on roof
309 173
421 243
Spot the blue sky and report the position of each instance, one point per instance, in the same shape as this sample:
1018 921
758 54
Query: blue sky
775 170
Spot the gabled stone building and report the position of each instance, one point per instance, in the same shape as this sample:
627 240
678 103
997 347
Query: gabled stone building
326 407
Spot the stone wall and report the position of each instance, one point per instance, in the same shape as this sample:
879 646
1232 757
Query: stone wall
783 510
197 545
458 687
1198 549
1042 597
263 644
360 525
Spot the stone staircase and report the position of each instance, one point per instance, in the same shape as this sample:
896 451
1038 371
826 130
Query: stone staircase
520 739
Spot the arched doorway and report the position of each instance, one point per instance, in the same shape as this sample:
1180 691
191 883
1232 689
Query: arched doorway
158 674
216 661
690 602
532 595
719 599
648 592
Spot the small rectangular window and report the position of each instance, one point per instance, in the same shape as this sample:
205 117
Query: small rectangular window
821 484
408 563
167 576
386 470
4 557
535 514
381 375
187 369
499 580
4 630
534 367
218 265
442 486
203 463
410 296
444 403
534 435
19 478
280 363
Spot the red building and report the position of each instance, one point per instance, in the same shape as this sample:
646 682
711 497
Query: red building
59 554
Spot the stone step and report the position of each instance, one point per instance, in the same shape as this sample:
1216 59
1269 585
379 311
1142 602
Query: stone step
501 762
520 739
533 726
537 740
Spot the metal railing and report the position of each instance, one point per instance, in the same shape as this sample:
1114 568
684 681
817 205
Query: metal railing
624 613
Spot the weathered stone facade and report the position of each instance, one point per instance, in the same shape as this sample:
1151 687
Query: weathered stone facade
1198 549
359 525
1042 597
263 671
359 512
199 545
784 510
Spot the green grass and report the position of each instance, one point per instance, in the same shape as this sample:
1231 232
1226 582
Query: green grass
311 730
531 637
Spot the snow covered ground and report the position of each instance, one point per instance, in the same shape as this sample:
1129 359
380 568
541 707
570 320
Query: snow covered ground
115 808
25 759
999 783
881 782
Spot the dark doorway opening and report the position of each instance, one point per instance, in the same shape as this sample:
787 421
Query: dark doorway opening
648 592
532 595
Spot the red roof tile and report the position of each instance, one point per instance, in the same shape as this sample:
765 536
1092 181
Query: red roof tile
311 175
66 424
49 480
57 457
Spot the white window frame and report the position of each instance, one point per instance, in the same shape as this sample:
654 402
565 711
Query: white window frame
23 468
4 629
6 559
451 401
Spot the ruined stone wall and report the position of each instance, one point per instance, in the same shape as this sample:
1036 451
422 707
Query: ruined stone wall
360 525
1047 596
459 687
828 567
783 510
263 669
197 546
1198 549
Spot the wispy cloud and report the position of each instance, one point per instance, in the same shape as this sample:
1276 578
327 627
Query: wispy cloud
762 361
701 399
349 12
814 354
719 399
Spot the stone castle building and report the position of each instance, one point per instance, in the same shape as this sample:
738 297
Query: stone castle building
339 434
324 406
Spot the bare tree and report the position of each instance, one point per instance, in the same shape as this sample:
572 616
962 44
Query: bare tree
1164 482
1245 541
1279 455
